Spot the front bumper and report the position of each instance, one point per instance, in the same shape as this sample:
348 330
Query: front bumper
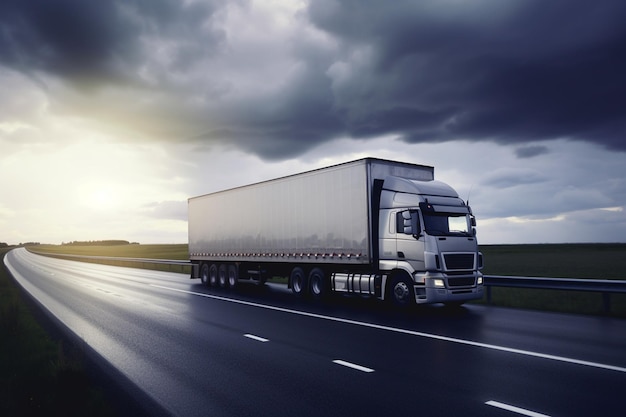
440 288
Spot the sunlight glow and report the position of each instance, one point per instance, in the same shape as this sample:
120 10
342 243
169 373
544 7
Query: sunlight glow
102 198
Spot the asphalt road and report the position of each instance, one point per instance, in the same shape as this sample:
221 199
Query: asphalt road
260 351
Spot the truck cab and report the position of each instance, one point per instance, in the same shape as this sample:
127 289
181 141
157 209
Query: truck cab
428 251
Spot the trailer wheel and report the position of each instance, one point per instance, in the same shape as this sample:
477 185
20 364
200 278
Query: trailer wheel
298 281
232 275
204 274
401 291
317 283
222 274
213 274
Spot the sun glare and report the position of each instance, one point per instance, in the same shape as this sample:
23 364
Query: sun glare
102 198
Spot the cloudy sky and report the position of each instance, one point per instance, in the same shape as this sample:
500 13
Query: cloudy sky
113 113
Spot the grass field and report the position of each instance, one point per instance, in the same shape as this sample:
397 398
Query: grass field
594 261
591 261
170 251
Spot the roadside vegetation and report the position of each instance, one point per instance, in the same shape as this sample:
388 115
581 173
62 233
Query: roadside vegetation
585 261
121 250
40 376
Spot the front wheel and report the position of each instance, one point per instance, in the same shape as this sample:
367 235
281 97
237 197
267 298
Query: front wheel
401 291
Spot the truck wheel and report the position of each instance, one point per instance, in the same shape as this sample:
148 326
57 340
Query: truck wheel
401 291
317 283
232 276
222 274
298 281
213 273
204 274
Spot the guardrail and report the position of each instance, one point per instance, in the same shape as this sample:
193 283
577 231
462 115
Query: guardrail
604 286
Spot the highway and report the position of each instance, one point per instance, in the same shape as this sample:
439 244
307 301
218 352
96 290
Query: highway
260 351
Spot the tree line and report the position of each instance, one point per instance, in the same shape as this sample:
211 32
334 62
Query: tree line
112 242
6 245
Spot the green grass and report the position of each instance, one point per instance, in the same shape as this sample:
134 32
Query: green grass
173 251
164 251
588 261
602 261
39 375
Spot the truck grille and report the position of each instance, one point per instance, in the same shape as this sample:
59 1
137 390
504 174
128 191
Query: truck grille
461 282
459 261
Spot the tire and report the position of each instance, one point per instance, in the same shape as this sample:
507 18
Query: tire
222 275
213 275
401 292
317 283
233 276
298 281
204 274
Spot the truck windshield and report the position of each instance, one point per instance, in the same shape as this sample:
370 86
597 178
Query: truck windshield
447 224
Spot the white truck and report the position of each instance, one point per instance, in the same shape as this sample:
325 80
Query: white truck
372 227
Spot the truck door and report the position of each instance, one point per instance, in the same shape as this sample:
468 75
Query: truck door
410 238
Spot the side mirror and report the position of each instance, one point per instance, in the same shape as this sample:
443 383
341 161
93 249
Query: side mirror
407 222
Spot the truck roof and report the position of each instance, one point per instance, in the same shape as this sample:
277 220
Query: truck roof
433 187
364 161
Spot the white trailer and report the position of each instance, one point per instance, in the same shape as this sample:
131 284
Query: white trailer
371 226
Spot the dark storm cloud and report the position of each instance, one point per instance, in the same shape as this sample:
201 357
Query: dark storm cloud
72 38
428 71
504 71
88 42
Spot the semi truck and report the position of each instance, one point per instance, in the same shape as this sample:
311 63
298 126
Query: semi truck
371 227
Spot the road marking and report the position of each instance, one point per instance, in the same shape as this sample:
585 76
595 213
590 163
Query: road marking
409 332
353 366
257 338
514 409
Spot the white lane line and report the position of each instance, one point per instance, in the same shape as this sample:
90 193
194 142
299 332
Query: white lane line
353 366
409 332
257 338
514 409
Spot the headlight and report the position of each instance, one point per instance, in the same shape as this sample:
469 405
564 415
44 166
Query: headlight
479 281
439 283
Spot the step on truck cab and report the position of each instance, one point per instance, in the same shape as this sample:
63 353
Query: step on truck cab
371 227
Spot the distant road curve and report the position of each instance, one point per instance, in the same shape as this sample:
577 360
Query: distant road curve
260 351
